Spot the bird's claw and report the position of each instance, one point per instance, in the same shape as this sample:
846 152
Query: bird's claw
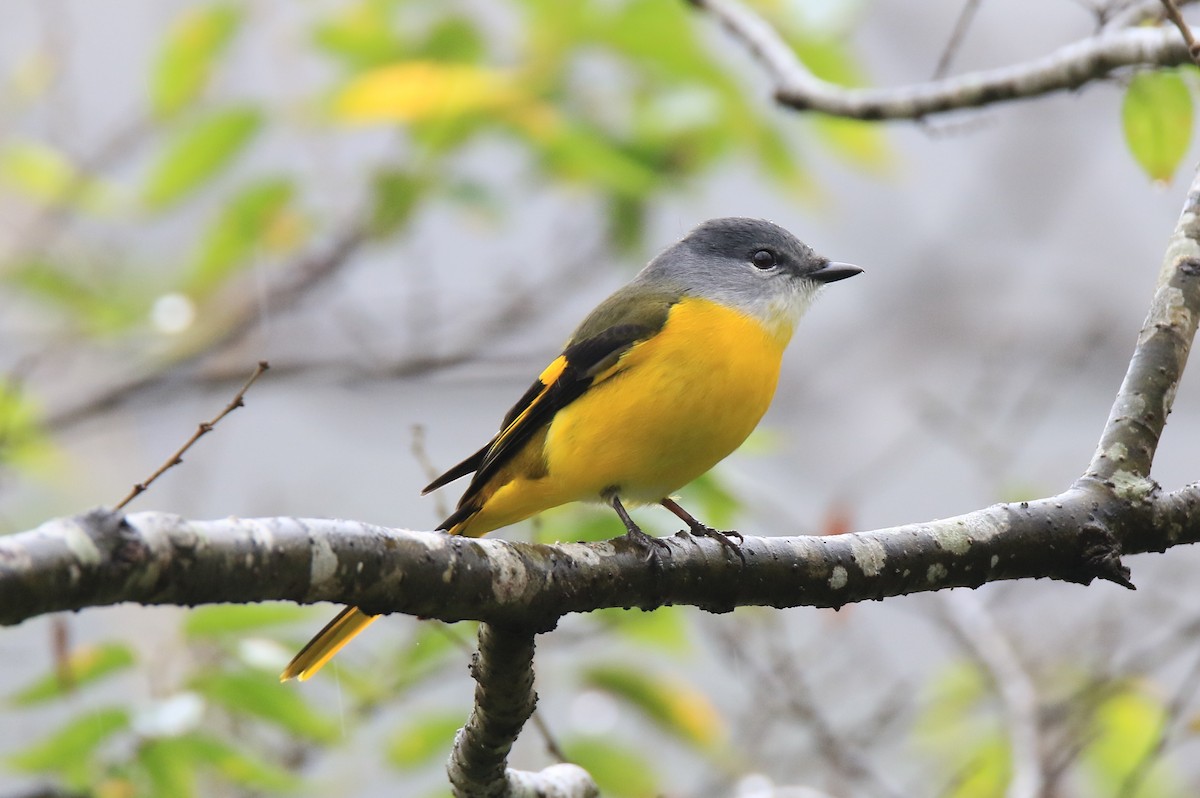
651 545
702 531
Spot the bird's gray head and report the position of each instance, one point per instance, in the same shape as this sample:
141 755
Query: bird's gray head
750 264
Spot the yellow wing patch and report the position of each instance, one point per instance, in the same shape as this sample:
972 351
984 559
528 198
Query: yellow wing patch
547 378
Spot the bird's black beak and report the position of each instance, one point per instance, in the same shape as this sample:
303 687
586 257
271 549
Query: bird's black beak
833 271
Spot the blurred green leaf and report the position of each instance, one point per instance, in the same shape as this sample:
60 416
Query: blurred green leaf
220 620
618 770
434 640
395 194
951 712
666 628
860 143
578 152
1157 119
68 752
711 501
362 35
987 771
43 173
85 664
828 59
242 227
24 442
577 523
186 57
101 306
626 222
424 739
168 768
198 152
259 695
237 765
675 707
962 726
171 763
454 38
640 30
1124 730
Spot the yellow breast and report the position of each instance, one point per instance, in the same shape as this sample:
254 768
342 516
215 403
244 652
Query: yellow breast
676 405
669 410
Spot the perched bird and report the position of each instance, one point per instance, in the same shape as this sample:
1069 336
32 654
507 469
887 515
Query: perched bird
660 382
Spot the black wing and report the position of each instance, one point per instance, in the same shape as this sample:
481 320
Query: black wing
562 382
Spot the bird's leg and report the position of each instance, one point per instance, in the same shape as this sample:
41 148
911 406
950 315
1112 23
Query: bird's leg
703 530
634 533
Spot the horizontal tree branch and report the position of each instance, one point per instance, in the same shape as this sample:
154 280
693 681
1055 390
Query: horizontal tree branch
155 558
1066 69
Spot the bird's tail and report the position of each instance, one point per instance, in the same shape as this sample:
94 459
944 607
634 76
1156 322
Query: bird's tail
327 642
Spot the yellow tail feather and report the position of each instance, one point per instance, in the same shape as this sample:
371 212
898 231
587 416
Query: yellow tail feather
329 641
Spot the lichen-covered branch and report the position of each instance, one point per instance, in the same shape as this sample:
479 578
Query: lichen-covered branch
1068 68
504 701
155 558
1138 415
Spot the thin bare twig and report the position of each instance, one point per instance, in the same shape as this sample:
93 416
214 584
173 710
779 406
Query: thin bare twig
203 429
552 746
1179 22
965 17
421 455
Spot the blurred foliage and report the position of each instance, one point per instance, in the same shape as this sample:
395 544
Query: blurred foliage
584 95
46 176
618 769
24 443
82 666
195 154
675 707
1116 729
172 746
188 55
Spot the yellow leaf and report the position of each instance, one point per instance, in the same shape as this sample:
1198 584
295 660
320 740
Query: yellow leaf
414 91
675 706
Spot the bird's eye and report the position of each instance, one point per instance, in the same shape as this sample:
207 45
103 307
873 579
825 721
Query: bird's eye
764 259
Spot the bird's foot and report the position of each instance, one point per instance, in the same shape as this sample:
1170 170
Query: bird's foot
704 531
654 547
726 538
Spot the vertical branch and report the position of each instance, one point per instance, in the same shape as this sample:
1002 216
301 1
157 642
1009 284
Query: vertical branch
1126 450
504 701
